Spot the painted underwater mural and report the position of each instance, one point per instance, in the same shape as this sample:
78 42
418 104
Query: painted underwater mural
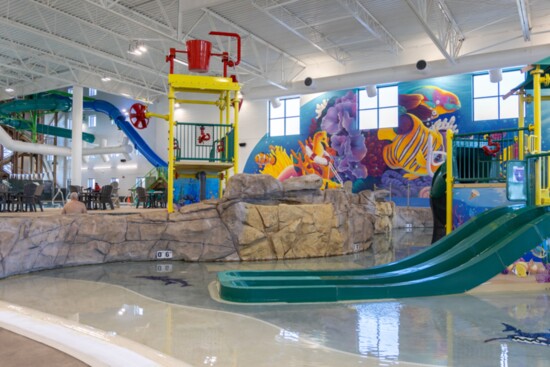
401 159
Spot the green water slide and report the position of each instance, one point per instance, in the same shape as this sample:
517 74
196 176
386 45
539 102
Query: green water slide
43 103
471 255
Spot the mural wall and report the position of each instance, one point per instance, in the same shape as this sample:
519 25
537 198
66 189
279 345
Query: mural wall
401 159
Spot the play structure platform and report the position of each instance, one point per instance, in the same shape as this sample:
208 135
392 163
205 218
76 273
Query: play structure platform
466 258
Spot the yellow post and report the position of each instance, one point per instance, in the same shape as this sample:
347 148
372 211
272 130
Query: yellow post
449 184
236 133
227 123
170 198
521 124
537 122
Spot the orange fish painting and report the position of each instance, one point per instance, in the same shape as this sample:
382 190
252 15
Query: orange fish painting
263 159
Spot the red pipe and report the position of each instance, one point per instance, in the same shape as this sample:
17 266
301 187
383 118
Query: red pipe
229 34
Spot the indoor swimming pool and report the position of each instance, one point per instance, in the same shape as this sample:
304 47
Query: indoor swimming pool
171 307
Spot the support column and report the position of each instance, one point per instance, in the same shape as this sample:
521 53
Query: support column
76 144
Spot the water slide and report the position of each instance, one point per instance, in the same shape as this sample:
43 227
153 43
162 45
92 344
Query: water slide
121 122
468 257
46 103
55 102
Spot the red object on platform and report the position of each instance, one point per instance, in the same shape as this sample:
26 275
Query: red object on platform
198 55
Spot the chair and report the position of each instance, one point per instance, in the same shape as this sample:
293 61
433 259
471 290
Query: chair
38 196
105 197
4 197
114 194
77 189
26 200
142 197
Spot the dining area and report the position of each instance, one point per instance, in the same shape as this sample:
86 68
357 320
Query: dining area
21 196
98 197
148 199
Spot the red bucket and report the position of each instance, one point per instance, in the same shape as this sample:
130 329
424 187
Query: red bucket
198 55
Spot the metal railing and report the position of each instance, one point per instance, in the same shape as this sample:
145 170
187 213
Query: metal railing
204 142
481 157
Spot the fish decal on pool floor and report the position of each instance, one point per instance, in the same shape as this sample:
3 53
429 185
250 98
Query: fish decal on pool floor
167 280
523 337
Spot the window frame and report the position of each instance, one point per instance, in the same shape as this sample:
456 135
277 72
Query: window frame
92 120
492 98
285 117
377 106
92 180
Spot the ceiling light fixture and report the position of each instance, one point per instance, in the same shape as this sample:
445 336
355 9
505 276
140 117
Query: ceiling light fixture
9 90
141 46
136 47
105 79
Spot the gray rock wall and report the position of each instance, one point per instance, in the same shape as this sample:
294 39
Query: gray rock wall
257 219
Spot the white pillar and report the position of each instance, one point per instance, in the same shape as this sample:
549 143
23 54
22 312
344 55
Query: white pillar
76 156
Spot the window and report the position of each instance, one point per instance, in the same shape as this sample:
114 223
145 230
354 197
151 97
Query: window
91 182
69 124
92 121
488 102
70 90
92 92
285 120
114 179
380 111
140 182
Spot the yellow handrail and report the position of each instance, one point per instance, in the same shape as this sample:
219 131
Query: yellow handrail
449 183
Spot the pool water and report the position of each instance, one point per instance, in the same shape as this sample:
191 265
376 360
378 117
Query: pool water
168 306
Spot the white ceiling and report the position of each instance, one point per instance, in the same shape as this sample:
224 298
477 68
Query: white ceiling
48 44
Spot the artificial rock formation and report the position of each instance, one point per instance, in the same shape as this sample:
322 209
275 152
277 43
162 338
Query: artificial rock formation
258 218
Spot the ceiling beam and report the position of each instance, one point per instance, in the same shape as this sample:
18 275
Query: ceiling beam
435 16
524 18
301 28
81 47
371 24
258 71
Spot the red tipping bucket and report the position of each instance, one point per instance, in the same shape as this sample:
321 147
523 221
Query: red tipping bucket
198 55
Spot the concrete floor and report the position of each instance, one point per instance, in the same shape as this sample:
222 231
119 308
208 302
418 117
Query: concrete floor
17 351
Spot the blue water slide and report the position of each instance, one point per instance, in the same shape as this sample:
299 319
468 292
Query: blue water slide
121 122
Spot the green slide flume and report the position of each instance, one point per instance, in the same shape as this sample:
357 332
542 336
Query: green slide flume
471 255
44 103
